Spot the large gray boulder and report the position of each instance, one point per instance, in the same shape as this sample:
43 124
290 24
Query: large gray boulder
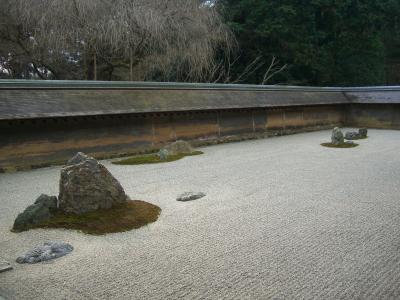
337 137
49 250
86 185
179 147
42 210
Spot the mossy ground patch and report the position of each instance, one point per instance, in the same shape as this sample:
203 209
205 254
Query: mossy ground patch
153 159
345 145
131 215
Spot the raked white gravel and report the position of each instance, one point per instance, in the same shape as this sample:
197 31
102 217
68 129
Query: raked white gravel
284 218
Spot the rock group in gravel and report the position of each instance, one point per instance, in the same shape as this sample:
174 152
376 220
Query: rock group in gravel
85 186
188 196
49 250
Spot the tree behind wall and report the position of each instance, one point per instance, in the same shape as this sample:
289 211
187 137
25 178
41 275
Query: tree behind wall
126 39
324 42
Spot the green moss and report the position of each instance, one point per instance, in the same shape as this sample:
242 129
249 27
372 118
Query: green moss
153 159
124 217
345 145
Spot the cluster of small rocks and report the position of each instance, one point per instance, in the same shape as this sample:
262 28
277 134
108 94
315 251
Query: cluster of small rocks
337 137
48 251
85 185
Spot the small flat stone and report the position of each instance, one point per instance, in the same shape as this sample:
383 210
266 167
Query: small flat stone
4 266
49 250
189 196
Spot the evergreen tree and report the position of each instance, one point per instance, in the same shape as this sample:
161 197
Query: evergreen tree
324 42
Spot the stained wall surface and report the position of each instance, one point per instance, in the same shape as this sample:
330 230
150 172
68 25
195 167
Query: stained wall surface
43 123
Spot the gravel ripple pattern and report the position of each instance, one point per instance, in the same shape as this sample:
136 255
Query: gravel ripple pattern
284 218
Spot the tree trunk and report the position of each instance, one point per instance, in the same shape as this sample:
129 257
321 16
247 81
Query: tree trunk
94 66
130 65
85 67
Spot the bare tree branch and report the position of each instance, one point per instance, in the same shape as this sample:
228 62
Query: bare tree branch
272 70
168 39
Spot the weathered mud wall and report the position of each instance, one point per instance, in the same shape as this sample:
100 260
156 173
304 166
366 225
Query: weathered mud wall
39 142
384 116
43 123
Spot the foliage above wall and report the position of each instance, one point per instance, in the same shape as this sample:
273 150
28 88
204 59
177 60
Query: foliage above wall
324 42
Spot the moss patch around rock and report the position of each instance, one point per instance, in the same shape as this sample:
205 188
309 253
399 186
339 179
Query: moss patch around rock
345 145
131 215
153 159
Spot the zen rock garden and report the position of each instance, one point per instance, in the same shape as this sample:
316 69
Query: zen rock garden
259 212
93 201
338 139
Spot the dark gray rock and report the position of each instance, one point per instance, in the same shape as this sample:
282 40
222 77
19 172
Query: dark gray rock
352 135
363 132
49 250
179 147
163 154
337 137
47 201
188 196
86 185
42 210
